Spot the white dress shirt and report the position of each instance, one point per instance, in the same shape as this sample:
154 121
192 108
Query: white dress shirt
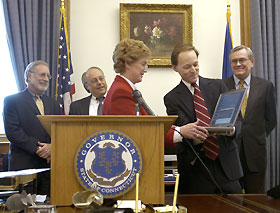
93 106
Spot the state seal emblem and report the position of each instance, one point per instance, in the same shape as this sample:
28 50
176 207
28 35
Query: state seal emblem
108 160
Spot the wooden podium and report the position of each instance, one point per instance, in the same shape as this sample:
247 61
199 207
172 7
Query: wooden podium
67 132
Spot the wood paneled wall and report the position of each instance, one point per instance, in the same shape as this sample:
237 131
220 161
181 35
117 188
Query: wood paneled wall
245 23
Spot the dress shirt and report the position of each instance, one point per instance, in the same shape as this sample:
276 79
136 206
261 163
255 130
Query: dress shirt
93 106
34 95
246 83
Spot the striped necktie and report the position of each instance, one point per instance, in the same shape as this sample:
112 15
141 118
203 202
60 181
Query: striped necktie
211 146
100 106
40 105
244 103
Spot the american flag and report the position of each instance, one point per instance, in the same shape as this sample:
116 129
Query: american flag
64 88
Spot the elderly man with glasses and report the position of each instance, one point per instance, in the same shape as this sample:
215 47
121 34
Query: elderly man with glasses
256 120
94 82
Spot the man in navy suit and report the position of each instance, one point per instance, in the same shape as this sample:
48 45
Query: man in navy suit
94 82
258 120
226 168
30 143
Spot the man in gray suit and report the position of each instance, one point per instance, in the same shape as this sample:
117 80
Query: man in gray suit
257 121
94 82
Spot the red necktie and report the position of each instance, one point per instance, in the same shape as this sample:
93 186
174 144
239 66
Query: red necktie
211 146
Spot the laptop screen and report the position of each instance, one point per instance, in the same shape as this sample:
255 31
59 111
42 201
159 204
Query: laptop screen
228 107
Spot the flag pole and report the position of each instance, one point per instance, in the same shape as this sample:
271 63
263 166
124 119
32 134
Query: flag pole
228 20
62 4
227 71
61 14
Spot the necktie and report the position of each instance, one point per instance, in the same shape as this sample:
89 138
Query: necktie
244 104
100 106
211 146
40 105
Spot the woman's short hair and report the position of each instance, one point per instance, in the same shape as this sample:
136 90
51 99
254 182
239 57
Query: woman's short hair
129 51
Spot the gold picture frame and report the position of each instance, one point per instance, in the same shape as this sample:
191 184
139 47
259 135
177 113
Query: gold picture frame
159 26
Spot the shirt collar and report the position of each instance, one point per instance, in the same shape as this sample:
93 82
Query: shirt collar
247 80
95 98
189 86
129 82
33 94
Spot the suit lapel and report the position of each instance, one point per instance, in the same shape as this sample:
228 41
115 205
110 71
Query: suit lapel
30 102
230 83
253 93
46 108
206 91
186 98
85 108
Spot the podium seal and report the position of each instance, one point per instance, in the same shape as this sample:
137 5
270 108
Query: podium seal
109 160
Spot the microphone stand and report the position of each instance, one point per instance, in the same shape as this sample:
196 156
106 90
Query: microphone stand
137 109
201 161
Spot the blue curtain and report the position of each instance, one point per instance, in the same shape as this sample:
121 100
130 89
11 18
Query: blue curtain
265 30
33 30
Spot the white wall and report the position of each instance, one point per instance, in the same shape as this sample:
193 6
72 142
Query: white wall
95 30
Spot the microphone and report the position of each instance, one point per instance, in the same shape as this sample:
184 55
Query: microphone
201 161
138 96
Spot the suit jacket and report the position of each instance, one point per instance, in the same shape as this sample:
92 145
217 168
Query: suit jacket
24 130
179 101
119 101
259 120
80 107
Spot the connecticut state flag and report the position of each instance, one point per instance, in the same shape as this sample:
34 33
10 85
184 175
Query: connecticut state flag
227 72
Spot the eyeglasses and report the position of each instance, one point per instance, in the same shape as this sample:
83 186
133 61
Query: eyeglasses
43 75
241 60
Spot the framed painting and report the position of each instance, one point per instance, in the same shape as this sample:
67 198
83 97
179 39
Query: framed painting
159 26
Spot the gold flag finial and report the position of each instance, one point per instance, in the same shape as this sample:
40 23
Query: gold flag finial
62 4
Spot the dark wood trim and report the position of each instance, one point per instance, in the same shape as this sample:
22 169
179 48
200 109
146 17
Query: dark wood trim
245 23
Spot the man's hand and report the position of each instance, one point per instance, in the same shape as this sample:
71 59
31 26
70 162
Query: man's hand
193 131
44 150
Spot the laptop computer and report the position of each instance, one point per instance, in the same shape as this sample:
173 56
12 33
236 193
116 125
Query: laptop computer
226 111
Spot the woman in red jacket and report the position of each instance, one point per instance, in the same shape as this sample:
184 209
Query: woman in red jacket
130 59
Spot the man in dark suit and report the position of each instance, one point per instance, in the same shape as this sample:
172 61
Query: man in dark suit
94 82
30 143
257 122
226 168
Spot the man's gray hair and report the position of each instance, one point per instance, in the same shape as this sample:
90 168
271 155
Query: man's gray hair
241 47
